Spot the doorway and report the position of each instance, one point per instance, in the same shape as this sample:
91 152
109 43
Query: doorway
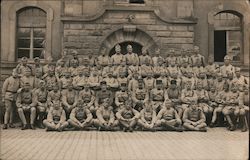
220 45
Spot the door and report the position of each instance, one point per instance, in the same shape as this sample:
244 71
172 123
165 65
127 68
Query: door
220 45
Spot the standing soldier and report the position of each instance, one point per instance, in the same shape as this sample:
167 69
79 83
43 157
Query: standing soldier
21 67
197 58
239 79
157 96
168 118
80 116
147 118
56 119
194 119
40 101
25 106
140 96
88 97
27 78
69 99
105 117
227 67
158 60
174 94
104 59
145 57
128 116
103 94
121 96
118 58
131 58
37 67
9 90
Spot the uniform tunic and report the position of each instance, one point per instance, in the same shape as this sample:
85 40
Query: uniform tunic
10 87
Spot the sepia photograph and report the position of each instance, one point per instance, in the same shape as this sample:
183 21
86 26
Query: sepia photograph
124 79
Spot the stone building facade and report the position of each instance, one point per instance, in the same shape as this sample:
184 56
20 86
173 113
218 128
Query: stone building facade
48 27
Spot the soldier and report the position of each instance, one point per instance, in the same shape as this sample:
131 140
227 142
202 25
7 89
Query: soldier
184 57
40 96
202 79
54 95
203 99
211 68
198 68
122 78
21 67
88 97
174 95
78 81
146 68
128 116
172 58
230 81
66 80
145 57
105 117
173 69
140 96
121 96
103 94
118 58
131 58
231 107
80 116
133 69
149 81
120 69
9 90
227 67
244 108
239 79
49 66
112 83
133 83
219 83
147 118
197 58
27 78
51 80
213 96
188 95
163 77
157 96
37 79
108 69
56 119
194 119
69 99
37 67
188 77
178 80
185 68
158 60
157 70
104 59
94 80
25 106
73 67
168 118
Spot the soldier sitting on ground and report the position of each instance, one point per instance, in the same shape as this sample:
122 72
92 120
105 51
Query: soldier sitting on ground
56 118
168 118
105 117
194 119
80 116
128 116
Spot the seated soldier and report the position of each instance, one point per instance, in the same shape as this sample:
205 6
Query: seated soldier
188 95
194 119
65 80
121 96
24 105
157 96
140 96
69 99
88 96
80 117
149 81
168 118
128 116
40 102
54 95
103 94
147 118
105 117
51 80
94 80
56 118
231 107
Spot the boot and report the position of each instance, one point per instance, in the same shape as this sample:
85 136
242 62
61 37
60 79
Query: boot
25 126
11 125
32 127
5 126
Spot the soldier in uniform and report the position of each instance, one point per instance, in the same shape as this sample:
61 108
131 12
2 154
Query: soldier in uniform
27 78
158 59
40 96
94 80
140 96
163 77
112 83
145 57
194 119
168 118
197 58
54 95
108 69
231 107
37 79
80 116
131 58
133 69
118 58
149 81
219 83
105 117
188 95
244 108
211 68
60 69
146 68
157 96
73 67
239 79
133 83
69 99
104 59
56 118
172 58
188 77
9 90
128 116
21 67
227 67
174 95
147 118
213 97
121 96
184 57
25 106
37 67
50 80
174 76
77 80
202 79
88 97
66 80
103 94
122 78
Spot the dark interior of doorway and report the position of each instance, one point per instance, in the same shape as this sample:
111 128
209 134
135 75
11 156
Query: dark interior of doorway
136 48
220 45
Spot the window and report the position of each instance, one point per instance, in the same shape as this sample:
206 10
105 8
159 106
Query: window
31 32
137 1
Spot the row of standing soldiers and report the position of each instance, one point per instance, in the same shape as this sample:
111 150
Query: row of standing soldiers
128 91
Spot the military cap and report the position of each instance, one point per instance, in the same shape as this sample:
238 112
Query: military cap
123 84
173 81
24 59
140 80
227 57
42 82
237 69
118 46
103 82
36 59
26 84
158 81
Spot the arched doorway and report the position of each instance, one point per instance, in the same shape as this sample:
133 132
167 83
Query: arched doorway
136 48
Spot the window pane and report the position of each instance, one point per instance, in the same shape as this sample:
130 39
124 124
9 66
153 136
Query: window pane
37 53
23 43
23 32
39 32
23 53
38 43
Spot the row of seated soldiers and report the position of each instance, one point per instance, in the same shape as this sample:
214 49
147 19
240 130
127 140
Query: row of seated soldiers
151 83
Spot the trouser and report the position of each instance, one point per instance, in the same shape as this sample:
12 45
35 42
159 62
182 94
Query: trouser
191 127
30 111
97 123
128 124
53 125
77 126
9 111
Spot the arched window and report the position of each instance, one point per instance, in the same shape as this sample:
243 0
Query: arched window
228 36
31 32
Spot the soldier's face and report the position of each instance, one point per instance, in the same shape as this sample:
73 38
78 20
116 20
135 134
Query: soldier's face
226 87
130 49
237 74
86 88
227 61
212 89
193 106
27 73
56 106
123 88
104 87
24 62
118 50
168 105
219 78
199 87
188 86
42 85
14 74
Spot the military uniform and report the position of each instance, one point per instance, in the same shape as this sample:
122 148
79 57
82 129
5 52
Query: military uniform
145 70
147 118
53 96
157 97
140 97
101 95
227 67
103 60
56 119
118 59
94 81
120 98
88 97
132 58
69 99
50 81
187 96
149 82
133 69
